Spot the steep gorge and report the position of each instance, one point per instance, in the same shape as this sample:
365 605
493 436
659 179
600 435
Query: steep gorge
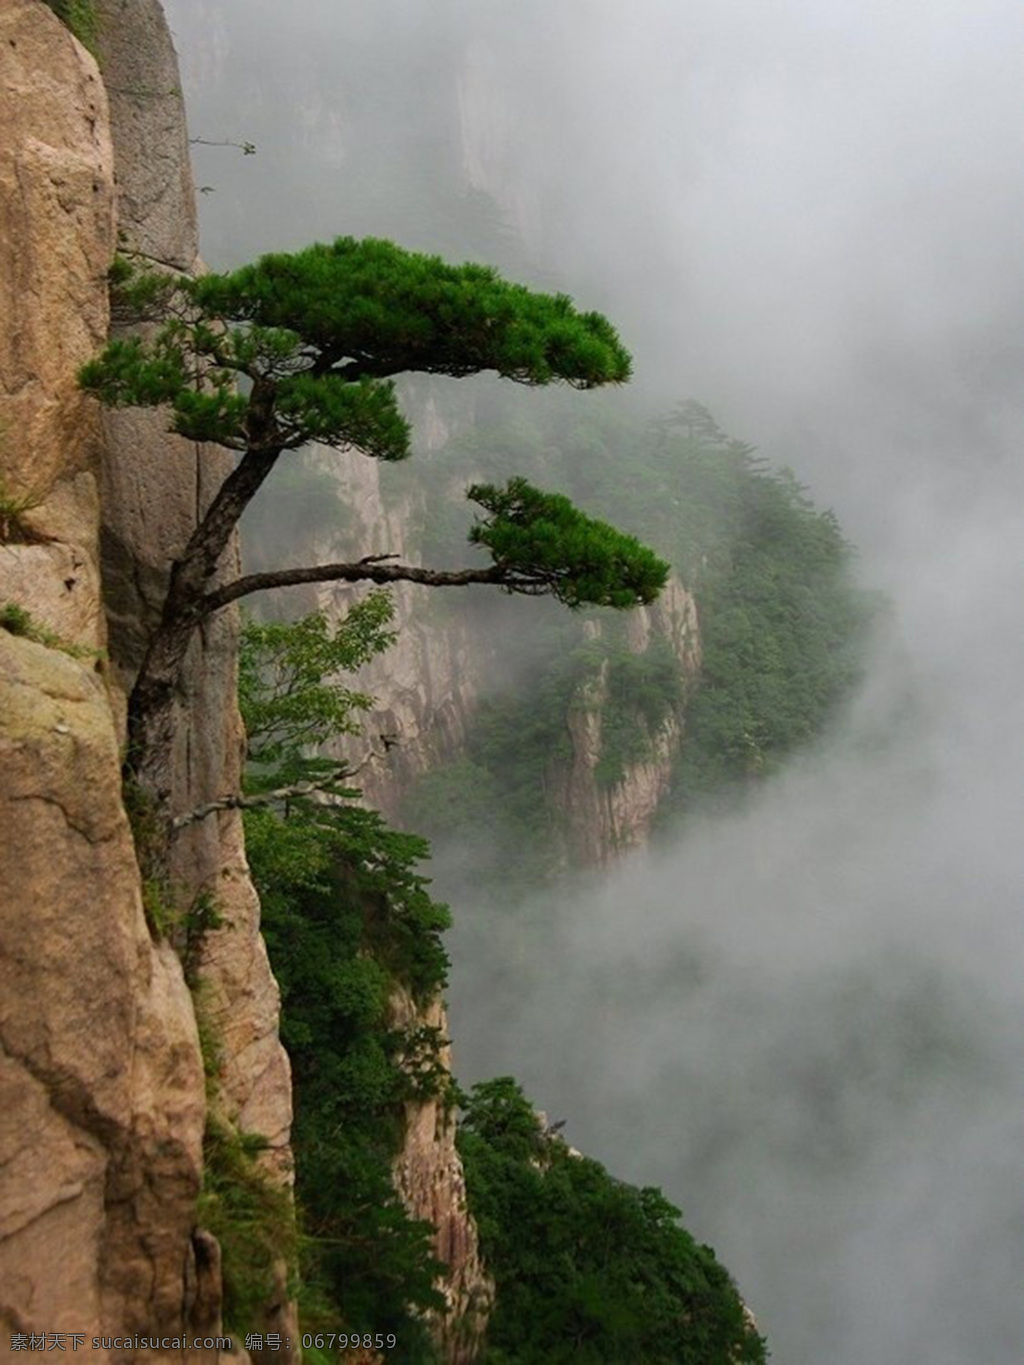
118 1061
448 656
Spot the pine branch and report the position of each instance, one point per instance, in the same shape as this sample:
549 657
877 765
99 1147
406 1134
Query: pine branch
370 570
239 801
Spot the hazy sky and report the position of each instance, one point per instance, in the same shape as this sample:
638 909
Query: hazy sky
805 1023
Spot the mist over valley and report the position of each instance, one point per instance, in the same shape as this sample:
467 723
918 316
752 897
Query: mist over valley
798 1013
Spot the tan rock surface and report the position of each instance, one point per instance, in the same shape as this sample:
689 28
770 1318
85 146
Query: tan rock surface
430 1179
102 1084
103 1103
156 197
102 1116
56 237
56 241
243 1003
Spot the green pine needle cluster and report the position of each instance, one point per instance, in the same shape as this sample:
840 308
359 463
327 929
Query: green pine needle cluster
552 544
390 310
334 411
319 333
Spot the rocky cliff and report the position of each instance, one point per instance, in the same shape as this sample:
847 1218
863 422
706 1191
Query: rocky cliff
430 1179
103 1079
103 1072
605 819
425 686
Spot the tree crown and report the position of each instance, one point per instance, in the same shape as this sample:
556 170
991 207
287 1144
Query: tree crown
319 333
375 309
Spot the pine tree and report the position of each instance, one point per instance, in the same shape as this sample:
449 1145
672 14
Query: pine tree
303 347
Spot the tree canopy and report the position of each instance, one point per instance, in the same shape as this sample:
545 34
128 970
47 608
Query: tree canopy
320 332
374 309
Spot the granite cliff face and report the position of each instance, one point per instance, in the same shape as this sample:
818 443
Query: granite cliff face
57 237
103 1090
605 820
430 1180
103 1082
101 1135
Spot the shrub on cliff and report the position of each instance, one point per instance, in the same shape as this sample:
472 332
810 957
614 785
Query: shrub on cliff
346 917
588 1270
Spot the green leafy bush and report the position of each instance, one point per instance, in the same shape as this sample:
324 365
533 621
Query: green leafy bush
347 917
588 1270
17 621
253 1219
288 684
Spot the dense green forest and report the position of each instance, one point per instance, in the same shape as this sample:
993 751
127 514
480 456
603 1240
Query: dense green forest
588 1269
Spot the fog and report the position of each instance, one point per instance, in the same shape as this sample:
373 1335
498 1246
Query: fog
804 1022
